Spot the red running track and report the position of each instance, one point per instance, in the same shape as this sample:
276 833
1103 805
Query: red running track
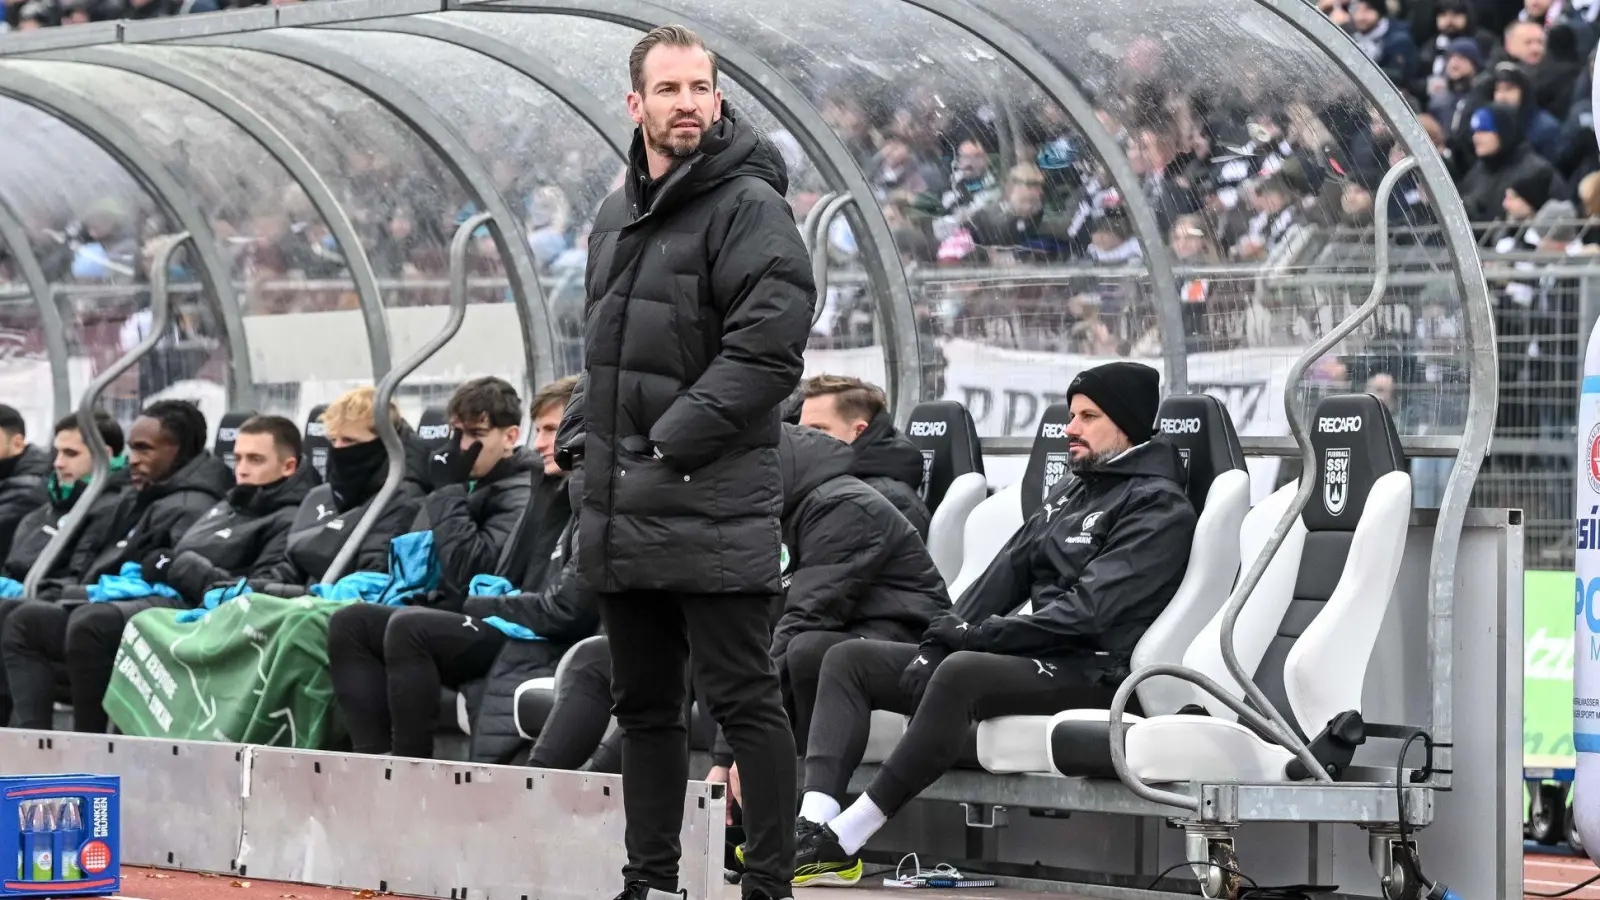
1541 874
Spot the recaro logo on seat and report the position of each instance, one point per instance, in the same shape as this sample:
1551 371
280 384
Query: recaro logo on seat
433 432
928 429
228 435
1054 430
1180 426
316 429
1338 424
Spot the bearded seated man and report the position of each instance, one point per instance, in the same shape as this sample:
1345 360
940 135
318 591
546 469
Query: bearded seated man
1096 565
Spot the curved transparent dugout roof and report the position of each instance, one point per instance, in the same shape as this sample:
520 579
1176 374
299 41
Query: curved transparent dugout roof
1230 80
89 222
595 54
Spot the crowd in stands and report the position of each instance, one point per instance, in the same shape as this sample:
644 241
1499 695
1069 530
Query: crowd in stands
26 15
865 620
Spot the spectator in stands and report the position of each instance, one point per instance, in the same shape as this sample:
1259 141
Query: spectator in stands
1453 96
1524 43
68 479
1020 229
858 414
23 469
1505 160
1513 88
389 662
357 465
1095 565
1385 41
852 568
175 480
244 535
1454 21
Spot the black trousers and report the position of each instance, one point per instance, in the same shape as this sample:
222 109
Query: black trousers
655 638
7 607
860 676
388 664
39 637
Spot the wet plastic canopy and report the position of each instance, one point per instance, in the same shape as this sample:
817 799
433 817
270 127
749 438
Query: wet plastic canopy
323 164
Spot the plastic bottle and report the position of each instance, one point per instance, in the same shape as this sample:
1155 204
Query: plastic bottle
1586 632
68 838
22 834
39 844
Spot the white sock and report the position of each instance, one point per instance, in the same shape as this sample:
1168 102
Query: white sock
818 807
856 825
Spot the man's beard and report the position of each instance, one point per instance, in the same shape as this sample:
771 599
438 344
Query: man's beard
1093 461
663 140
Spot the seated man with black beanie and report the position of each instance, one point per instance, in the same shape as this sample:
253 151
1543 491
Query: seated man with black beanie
388 663
175 481
1096 565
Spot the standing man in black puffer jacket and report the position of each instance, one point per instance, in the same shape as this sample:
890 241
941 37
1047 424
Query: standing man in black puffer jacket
23 469
699 301
858 414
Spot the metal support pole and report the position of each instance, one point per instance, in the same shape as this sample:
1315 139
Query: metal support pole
1282 731
391 382
99 453
819 249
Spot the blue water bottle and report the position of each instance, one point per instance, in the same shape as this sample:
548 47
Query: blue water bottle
68 838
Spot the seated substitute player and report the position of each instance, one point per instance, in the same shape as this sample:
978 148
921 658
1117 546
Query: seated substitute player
1098 563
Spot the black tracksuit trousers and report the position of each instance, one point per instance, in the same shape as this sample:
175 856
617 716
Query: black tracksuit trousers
656 638
861 676
39 637
388 664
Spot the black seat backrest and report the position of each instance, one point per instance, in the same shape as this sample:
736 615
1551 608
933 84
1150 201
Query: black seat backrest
434 426
315 444
943 430
1200 427
228 434
1049 460
1356 443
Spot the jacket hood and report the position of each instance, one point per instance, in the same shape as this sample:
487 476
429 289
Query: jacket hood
32 462
807 458
284 493
1508 123
729 149
883 451
205 474
1151 459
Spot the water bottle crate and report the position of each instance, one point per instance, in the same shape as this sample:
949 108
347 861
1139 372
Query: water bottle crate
67 831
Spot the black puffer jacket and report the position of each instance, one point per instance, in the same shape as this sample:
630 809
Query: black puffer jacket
889 462
318 533
558 612
1099 561
471 530
241 537
22 479
157 516
699 305
40 525
850 563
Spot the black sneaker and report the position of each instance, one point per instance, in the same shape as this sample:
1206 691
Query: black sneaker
819 861
641 890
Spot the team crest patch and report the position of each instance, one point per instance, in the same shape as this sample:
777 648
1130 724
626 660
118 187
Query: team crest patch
1336 480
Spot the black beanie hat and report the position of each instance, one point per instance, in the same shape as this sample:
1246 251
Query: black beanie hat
1127 392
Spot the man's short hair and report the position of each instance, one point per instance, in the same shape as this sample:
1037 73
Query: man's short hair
487 397
183 423
284 433
558 391
11 421
110 431
669 36
853 398
356 408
